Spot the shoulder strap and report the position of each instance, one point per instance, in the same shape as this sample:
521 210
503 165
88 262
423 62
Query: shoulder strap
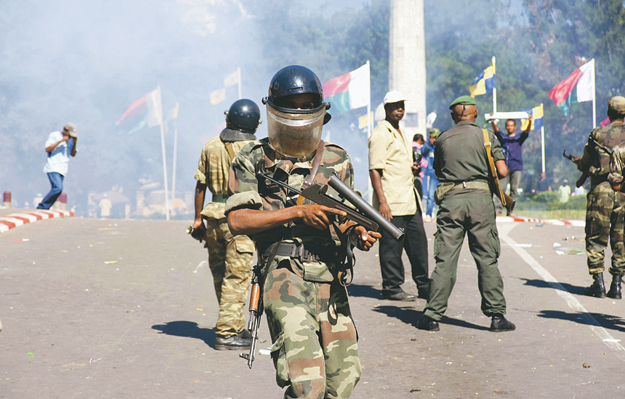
308 181
230 150
491 163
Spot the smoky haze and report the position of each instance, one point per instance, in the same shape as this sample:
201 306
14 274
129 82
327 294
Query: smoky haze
86 62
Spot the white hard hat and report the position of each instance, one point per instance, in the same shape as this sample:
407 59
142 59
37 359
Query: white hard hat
393 96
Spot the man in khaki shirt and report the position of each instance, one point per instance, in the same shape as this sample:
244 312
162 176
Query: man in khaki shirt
392 174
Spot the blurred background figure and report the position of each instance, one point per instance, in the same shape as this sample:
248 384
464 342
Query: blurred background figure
431 181
542 184
565 191
59 146
417 158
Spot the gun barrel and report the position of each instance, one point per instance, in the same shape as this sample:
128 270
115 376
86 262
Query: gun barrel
364 207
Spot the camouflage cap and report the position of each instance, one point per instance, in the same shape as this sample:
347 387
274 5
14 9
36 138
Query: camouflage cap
468 100
434 132
71 129
617 104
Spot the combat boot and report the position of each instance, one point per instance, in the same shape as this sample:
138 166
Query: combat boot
231 343
615 287
597 289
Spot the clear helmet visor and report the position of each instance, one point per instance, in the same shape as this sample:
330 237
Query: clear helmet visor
294 134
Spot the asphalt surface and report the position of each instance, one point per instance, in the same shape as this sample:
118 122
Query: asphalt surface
126 309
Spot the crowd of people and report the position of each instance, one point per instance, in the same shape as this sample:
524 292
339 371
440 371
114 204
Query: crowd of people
305 249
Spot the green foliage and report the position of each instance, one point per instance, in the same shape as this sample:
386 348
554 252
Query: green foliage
547 197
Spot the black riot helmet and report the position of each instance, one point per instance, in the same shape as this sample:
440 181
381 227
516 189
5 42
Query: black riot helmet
242 119
294 129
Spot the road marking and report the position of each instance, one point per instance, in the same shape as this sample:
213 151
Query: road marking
570 300
202 263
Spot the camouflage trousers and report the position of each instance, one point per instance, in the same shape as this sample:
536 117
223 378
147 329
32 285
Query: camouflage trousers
315 349
230 259
605 212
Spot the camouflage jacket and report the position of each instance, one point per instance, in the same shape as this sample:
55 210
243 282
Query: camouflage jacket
595 159
250 192
212 171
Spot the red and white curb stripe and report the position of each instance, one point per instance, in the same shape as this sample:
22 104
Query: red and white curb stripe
555 222
19 219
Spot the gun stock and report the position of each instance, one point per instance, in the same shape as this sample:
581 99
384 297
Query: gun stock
256 313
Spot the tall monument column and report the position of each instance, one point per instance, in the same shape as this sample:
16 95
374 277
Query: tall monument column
407 60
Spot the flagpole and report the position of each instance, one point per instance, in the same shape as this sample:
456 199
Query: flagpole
239 71
594 97
495 88
164 157
542 139
173 182
370 122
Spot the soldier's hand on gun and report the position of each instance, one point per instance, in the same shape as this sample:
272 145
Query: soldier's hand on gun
319 216
364 238
199 231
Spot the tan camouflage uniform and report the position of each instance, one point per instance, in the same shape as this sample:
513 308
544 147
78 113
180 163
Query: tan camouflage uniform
605 209
315 348
229 257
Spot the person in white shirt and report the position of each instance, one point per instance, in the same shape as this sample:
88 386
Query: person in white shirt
59 146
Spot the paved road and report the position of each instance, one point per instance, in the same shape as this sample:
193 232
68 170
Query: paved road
126 309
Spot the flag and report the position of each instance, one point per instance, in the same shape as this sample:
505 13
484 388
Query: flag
218 96
146 111
233 78
364 120
349 91
537 118
485 82
173 113
605 122
578 87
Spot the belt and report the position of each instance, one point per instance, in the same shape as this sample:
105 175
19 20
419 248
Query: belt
473 185
306 252
219 198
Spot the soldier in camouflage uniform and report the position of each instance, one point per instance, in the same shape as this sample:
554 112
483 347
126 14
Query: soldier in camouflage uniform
315 349
229 256
605 211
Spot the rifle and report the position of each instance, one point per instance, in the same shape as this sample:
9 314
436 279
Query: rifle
493 182
582 179
256 312
364 214
576 160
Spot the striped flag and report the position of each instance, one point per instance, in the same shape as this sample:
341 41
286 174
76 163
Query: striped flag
578 87
485 82
146 111
537 114
349 91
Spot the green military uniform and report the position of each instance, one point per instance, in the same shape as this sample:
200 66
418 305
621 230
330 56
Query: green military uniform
460 160
315 349
605 209
229 257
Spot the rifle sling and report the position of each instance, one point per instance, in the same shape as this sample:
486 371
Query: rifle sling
493 171
270 258
309 180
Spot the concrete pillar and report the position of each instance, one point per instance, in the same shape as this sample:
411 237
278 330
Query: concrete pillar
407 60
6 199
62 201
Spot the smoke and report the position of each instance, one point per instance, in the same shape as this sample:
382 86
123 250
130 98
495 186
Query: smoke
86 61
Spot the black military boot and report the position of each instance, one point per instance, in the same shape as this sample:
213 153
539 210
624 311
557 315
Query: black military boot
597 289
615 287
